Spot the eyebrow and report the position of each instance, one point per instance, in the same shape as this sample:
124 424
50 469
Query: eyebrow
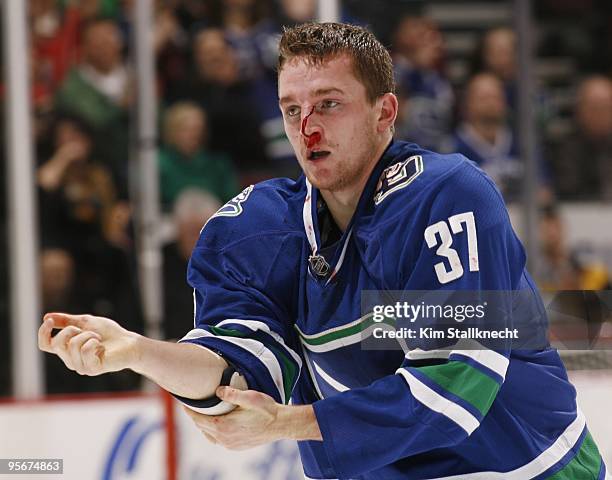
317 93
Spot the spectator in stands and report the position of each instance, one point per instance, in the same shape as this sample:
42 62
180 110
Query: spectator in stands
193 207
582 161
497 54
483 134
171 44
293 12
54 36
77 200
555 269
193 15
571 275
564 268
253 35
98 91
216 87
184 160
249 29
78 193
54 29
427 96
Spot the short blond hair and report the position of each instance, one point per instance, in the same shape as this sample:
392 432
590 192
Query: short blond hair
195 202
175 117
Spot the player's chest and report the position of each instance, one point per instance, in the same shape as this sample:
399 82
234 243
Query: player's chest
331 328
330 314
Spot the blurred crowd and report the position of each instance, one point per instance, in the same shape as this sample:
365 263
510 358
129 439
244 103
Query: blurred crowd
220 130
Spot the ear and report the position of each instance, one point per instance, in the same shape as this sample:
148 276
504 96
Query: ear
388 111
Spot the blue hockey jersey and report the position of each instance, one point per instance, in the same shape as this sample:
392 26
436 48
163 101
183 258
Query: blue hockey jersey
293 327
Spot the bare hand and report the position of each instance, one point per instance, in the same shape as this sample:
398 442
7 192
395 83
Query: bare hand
252 424
86 344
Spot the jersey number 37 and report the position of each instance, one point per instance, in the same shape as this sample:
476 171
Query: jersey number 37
439 235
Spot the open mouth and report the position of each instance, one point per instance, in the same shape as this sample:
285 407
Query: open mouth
316 154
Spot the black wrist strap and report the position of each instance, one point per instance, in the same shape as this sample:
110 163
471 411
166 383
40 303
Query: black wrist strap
213 401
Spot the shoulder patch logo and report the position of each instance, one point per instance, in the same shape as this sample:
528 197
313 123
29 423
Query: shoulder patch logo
398 176
233 208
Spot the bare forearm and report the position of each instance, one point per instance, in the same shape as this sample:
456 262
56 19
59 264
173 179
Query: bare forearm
50 174
298 422
181 368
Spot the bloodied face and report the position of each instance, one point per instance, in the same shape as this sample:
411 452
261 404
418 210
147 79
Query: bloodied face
334 129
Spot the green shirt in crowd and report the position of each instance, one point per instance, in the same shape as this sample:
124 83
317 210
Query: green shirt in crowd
208 171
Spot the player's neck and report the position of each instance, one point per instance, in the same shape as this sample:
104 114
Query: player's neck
343 203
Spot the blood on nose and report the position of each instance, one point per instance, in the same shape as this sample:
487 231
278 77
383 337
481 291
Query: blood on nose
313 138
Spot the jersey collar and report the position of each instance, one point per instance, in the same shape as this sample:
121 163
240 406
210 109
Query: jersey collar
311 223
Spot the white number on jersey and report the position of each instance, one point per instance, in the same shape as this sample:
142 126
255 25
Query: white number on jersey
440 235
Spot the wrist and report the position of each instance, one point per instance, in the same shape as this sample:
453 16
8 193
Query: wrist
137 345
298 422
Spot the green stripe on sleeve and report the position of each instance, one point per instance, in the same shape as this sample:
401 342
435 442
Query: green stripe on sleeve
464 381
586 464
290 371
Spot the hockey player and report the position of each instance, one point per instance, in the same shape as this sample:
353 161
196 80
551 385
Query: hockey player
278 274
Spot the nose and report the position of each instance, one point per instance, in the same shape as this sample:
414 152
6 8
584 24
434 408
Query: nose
312 138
